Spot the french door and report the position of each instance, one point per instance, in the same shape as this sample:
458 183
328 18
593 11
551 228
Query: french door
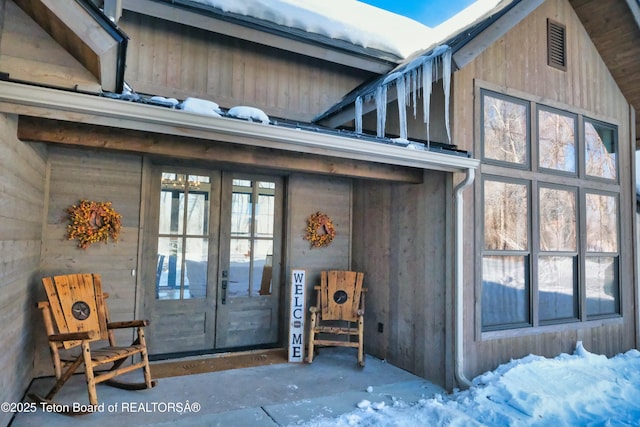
217 236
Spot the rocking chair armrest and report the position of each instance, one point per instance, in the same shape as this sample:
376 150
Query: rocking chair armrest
74 336
314 309
127 324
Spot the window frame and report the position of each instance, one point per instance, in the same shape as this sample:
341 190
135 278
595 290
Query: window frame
540 177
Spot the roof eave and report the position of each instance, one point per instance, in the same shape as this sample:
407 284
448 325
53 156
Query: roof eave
70 106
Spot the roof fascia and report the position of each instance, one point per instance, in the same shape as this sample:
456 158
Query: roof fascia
49 103
79 18
267 34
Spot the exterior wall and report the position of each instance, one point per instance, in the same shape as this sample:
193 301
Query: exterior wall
101 176
28 53
307 194
22 181
400 240
516 64
178 61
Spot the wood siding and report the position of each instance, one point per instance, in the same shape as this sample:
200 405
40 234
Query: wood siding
22 188
100 176
179 61
517 64
28 53
307 194
400 235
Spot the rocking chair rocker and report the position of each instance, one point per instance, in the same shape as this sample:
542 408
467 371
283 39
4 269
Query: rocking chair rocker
340 298
77 308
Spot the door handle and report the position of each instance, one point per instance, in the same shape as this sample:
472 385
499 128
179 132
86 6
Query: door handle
223 300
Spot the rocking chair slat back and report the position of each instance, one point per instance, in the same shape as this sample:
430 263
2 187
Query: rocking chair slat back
340 295
77 304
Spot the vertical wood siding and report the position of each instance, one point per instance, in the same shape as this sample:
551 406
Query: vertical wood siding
175 60
518 62
22 187
399 241
100 176
307 194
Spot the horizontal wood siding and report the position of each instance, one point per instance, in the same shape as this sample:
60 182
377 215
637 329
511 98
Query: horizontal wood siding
517 64
179 61
22 188
399 241
100 176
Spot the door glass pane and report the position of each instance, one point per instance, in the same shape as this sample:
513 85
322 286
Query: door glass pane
556 287
196 257
602 286
557 220
180 194
265 211
251 243
505 295
602 228
557 141
505 216
262 263
168 269
505 130
239 267
241 214
601 150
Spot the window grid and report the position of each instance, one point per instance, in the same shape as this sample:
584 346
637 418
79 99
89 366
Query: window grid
559 225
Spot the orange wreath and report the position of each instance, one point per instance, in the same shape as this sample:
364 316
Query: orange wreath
91 222
320 230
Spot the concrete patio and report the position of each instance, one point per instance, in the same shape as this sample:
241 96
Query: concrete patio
274 395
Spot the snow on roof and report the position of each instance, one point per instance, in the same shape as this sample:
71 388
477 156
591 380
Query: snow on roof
348 20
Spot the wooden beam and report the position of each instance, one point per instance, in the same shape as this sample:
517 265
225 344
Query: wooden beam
195 149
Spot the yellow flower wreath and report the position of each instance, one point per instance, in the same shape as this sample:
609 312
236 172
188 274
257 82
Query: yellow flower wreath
92 222
320 230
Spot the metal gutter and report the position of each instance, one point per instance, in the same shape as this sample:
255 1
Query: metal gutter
75 107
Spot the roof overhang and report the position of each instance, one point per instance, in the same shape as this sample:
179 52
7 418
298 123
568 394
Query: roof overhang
614 28
208 18
75 107
86 33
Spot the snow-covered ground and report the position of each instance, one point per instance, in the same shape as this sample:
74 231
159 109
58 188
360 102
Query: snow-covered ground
582 389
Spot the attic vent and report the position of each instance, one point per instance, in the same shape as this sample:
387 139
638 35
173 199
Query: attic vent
556 45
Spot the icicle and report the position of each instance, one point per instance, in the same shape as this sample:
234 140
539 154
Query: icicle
381 109
359 114
427 74
446 81
414 91
402 105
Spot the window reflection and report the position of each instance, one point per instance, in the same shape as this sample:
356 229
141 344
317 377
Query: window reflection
252 233
183 219
600 148
505 130
557 141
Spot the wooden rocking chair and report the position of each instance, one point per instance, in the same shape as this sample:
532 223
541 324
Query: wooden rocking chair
77 308
340 298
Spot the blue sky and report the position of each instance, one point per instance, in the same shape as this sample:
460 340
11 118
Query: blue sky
427 12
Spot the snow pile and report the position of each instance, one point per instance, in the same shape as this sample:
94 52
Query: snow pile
348 20
248 113
201 106
569 390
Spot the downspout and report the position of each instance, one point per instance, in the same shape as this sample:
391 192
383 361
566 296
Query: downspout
459 303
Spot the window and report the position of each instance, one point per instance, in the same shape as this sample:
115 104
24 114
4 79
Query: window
550 240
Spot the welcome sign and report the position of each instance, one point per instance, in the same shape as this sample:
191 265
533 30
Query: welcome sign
296 327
